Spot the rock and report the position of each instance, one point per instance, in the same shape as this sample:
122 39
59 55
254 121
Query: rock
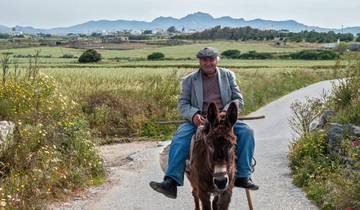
355 130
321 121
6 128
336 133
326 116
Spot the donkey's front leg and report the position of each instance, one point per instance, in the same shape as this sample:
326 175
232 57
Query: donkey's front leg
215 203
205 200
196 199
224 200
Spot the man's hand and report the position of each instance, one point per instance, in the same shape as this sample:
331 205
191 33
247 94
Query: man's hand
198 120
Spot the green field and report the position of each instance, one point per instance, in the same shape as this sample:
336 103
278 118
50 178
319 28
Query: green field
176 52
137 91
115 100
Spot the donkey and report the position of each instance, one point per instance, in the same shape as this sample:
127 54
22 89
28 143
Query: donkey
211 169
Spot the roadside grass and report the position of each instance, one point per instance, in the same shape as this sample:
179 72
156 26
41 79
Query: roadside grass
59 116
51 151
331 179
122 102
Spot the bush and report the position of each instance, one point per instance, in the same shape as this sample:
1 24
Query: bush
156 56
315 55
4 36
90 56
67 56
326 178
303 114
345 98
256 55
51 151
231 53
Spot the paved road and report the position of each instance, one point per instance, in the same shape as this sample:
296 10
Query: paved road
272 173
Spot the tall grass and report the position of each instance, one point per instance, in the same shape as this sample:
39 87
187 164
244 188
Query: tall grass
51 151
326 177
126 102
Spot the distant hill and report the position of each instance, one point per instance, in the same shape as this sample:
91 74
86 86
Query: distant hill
197 21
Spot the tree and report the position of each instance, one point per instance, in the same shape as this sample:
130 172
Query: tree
90 56
147 32
156 56
358 37
171 29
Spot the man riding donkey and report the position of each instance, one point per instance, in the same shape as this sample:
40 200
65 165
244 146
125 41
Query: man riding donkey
200 88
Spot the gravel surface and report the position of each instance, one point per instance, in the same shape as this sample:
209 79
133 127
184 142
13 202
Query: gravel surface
128 187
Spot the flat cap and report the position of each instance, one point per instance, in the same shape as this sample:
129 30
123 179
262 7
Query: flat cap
208 52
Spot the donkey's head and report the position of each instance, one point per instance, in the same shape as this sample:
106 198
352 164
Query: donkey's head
221 141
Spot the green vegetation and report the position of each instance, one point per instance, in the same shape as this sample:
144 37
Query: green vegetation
326 178
248 33
127 102
51 151
301 55
315 55
4 36
125 97
231 54
175 52
156 56
256 55
90 56
60 111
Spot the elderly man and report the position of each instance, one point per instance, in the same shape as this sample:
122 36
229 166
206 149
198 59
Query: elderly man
208 84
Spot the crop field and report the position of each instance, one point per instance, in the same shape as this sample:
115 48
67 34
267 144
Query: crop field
127 93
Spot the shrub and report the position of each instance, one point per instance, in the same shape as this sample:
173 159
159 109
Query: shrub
67 56
90 56
303 114
51 151
256 55
231 53
315 55
156 56
326 178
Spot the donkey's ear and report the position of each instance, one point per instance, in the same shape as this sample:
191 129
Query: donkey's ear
231 114
212 114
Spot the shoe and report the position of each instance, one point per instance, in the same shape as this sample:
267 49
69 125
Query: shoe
167 187
245 183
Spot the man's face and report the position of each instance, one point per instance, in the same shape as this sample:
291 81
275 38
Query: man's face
208 65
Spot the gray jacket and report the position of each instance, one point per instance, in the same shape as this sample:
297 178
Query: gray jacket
191 97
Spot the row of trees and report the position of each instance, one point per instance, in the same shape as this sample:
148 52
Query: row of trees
248 33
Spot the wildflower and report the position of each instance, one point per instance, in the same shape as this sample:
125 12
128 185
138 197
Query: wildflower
355 143
3 203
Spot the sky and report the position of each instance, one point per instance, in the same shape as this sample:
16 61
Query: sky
55 13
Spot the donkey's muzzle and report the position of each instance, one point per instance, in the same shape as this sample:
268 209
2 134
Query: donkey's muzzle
221 183
220 177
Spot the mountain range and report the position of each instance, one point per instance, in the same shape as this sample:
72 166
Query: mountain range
193 22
